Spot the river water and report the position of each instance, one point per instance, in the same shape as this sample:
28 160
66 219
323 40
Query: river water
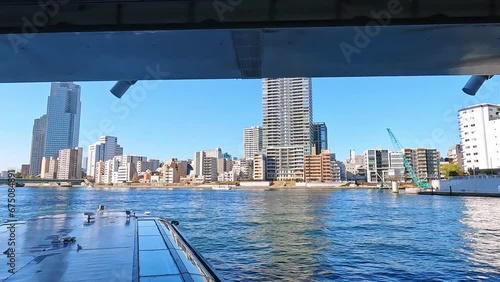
309 235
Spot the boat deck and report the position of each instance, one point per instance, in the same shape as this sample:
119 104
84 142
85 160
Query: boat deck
114 247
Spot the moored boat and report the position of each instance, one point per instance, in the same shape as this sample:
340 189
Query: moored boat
221 187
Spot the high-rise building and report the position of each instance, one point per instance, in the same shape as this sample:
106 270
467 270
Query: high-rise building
38 145
63 118
69 164
286 126
479 135
252 141
105 149
320 137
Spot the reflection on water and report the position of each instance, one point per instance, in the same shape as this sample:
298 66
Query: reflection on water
305 235
482 237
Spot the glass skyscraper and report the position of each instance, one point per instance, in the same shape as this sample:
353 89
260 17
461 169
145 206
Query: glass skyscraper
63 118
320 138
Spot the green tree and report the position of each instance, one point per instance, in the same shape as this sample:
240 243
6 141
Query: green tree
451 169
18 175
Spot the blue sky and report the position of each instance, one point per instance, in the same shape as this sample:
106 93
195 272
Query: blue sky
176 118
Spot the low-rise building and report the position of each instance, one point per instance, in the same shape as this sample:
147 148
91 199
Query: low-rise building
25 170
321 168
227 176
243 169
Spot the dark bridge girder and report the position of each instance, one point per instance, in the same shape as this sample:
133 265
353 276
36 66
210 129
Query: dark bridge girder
90 40
133 15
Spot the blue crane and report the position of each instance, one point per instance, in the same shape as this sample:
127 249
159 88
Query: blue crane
406 163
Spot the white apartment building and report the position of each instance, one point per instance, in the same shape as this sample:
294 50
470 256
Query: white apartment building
105 149
111 171
227 176
479 136
252 141
100 169
217 153
121 168
287 126
70 164
206 164
243 169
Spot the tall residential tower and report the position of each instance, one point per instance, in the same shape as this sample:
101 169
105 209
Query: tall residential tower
287 126
38 145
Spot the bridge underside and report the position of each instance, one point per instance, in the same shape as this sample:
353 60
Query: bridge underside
212 39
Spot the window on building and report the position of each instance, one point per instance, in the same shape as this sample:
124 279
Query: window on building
466 140
468 161
475 154
475 146
468 154
476 161
472 125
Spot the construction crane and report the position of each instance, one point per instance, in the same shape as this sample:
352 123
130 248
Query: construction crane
406 163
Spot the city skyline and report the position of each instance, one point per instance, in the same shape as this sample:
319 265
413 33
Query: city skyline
206 108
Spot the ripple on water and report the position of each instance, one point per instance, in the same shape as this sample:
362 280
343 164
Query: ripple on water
361 235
